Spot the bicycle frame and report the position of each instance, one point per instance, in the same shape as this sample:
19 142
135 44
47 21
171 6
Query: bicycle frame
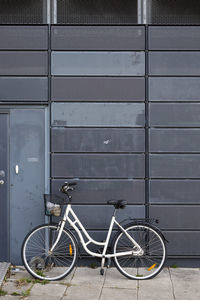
66 217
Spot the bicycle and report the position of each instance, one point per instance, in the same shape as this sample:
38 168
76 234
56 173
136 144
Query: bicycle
50 251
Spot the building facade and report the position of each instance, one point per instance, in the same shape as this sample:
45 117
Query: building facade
107 92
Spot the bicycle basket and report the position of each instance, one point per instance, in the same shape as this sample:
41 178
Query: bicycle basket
52 204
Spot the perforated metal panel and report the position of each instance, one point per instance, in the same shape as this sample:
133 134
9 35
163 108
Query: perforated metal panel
22 11
97 12
173 12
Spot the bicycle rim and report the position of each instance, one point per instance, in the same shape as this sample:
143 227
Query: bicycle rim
150 262
38 259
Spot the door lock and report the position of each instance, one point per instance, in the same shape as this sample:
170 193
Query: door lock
1 181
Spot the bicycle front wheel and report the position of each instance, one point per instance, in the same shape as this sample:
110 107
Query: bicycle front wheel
150 261
43 264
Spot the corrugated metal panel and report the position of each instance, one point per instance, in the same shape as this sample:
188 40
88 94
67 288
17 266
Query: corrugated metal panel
97 38
174 37
23 63
175 114
98 165
174 165
174 191
174 89
99 191
97 140
23 37
98 88
174 63
98 114
98 63
174 140
23 89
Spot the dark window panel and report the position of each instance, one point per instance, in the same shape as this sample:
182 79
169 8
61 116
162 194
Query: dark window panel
175 114
174 191
174 89
97 12
99 63
24 37
174 165
98 114
23 89
98 38
23 12
98 165
99 191
97 140
174 38
173 12
23 63
180 216
174 63
98 88
174 140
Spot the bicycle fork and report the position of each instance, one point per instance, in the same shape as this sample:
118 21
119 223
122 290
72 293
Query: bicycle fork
58 237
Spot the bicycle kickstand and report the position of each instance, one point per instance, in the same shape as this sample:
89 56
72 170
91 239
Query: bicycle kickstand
102 266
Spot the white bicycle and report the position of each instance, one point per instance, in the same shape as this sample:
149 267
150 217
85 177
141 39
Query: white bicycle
50 251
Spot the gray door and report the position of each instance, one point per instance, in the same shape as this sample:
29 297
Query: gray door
4 204
27 175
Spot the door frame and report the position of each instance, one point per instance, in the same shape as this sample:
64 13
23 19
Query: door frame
7 109
8 184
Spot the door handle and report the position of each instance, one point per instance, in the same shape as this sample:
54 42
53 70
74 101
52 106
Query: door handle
1 181
17 169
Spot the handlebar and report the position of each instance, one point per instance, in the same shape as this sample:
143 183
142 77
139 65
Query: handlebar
68 186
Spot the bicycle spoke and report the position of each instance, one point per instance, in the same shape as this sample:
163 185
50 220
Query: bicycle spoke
144 264
51 265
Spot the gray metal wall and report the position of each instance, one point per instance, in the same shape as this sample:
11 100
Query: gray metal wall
125 117
98 119
23 63
174 134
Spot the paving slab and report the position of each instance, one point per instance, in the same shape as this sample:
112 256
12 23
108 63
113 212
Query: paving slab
3 270
43 298
88 284
68 278
8 297
12 287
83 293
21 273
87 277
159 287
186 283
48 289
115 279
118 294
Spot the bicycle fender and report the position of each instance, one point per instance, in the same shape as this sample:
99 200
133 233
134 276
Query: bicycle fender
141 222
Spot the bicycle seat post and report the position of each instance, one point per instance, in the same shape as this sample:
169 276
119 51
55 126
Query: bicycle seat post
114 212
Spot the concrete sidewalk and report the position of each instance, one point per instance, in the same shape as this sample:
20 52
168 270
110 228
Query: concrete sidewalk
87 284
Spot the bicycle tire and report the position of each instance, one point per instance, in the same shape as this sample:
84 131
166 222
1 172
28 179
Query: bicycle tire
152 242
44 265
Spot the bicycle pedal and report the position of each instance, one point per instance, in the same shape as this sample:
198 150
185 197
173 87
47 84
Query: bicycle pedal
102 272
108 264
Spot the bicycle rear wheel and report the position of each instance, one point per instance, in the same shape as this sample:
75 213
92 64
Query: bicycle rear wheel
151 260
40 262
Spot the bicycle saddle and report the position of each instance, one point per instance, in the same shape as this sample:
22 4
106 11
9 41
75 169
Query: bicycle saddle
117 203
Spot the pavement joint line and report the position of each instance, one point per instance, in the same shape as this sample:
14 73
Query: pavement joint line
170 276
103 284
137 292
64 294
